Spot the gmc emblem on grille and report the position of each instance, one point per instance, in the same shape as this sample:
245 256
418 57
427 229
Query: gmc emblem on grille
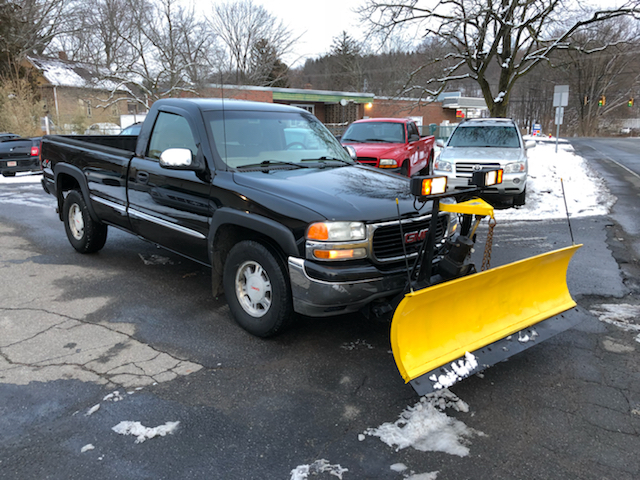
413 237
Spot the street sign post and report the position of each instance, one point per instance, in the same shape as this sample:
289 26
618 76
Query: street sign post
560 100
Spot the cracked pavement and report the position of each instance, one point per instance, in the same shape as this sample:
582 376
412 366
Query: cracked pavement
44 337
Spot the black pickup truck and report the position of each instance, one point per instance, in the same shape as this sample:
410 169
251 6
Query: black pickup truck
262 193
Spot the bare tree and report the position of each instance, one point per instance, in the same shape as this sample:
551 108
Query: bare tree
511 36
605 79
28 26
243 26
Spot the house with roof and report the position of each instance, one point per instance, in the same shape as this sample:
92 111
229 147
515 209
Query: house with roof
76 96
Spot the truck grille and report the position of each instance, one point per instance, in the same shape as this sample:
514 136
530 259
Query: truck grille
387 244
368 161
466 168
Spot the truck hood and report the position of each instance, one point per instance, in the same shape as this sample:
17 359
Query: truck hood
351 193
378 150
482 154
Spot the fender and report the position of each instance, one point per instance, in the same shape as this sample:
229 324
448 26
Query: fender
274 230
78 175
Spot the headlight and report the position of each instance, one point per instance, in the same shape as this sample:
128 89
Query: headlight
516 167
387 163
442 165
336 231
336 241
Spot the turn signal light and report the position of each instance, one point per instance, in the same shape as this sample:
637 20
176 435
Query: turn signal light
347 254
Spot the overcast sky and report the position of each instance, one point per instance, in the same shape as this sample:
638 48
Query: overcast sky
317 23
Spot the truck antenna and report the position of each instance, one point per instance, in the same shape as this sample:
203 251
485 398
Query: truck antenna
567 210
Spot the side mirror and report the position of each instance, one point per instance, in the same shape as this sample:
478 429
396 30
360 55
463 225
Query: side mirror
176 159
414 138
351 151
440 143
529 144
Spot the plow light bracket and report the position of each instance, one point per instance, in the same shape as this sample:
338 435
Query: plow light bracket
487 177
428 186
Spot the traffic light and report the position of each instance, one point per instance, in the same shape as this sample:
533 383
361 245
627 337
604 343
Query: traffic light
630 102
602 101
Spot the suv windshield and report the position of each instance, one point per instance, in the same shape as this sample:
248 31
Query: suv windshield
248 138
485 136
389 132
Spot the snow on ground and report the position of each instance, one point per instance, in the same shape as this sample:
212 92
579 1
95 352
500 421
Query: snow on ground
425 427
622 316
143 433
302 472
584 189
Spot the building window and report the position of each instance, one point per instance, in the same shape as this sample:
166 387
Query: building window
309 107
132 108
88 102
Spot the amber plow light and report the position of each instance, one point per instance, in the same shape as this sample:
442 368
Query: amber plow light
428 186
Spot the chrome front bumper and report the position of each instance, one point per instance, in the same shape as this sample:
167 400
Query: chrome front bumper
317 298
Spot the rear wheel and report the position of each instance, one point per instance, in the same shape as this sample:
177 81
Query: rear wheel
84 234
257 289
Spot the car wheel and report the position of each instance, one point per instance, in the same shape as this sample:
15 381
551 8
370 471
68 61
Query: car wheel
257 289
519 200
84 234
9 174
404 169
427 168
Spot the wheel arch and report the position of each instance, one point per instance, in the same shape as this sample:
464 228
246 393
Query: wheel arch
230 227
69 177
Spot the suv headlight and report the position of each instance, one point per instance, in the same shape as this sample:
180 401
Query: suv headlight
336 241
515 167
442 165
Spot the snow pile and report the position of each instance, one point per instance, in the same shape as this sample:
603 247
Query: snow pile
585 190
426 428
302 472
143 433
622 316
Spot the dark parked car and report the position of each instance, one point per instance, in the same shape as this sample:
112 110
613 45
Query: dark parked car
19 155
7 136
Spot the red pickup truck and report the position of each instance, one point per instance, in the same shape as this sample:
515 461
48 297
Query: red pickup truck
391 143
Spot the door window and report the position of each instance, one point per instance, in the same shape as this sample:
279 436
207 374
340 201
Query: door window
171 131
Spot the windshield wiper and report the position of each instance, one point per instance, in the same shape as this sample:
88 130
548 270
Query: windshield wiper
268 164
323 161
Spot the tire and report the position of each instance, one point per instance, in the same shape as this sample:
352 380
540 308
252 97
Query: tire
9 174
84 234
519 200
404 169
427 168
257 289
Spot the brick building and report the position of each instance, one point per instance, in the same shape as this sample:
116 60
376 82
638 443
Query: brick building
76 96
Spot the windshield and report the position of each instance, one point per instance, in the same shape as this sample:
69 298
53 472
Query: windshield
485 136
248 138
387 132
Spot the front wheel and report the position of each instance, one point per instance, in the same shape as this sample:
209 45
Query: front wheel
257 289
84 234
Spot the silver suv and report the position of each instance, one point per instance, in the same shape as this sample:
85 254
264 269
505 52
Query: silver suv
486 142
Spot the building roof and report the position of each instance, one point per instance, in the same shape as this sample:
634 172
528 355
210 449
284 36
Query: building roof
305 95
65 73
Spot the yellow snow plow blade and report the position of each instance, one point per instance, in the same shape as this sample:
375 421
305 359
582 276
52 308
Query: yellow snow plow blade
443 323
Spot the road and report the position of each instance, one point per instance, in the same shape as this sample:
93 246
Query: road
136 320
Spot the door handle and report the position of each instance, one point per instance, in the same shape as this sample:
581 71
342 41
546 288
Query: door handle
142 177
